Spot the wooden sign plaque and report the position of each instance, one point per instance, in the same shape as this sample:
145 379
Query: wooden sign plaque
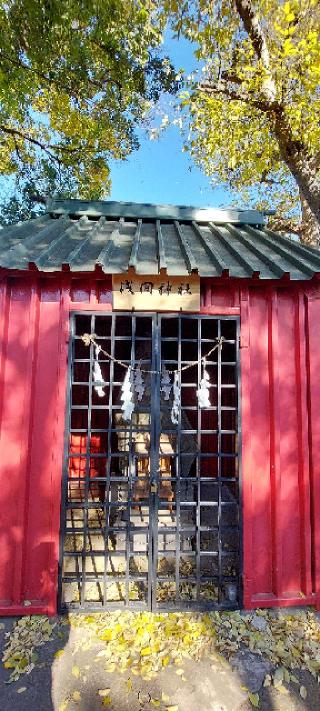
142 292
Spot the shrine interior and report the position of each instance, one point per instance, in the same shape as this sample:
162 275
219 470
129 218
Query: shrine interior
152 506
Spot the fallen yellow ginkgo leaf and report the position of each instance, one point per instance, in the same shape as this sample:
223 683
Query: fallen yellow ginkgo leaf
254 699
104 692
145 652
303 692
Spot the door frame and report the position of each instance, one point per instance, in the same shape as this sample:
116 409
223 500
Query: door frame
152 604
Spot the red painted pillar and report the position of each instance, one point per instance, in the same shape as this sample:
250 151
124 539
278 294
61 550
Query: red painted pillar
313 375
246 472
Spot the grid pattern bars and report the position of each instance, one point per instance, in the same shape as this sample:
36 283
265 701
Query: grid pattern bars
151 513
202 469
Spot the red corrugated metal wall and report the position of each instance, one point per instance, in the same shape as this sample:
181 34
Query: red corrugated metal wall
280 390
280 405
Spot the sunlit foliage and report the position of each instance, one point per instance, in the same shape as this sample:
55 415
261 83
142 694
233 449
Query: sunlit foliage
254 113
76 78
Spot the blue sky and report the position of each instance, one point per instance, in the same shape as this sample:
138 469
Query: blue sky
159 171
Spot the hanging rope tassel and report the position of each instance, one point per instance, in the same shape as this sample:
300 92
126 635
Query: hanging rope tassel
176 399
204 392
127 406
139 386
166 386
97 373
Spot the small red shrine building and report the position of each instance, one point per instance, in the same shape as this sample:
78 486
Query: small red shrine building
159 411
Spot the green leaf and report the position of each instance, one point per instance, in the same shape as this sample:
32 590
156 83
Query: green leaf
78 89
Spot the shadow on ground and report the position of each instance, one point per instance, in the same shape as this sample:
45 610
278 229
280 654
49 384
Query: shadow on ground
38 684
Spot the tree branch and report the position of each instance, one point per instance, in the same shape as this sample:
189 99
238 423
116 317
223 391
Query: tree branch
294 153
60 85
231 77
284 224
255 32
52 150
222 88
268 181
43 146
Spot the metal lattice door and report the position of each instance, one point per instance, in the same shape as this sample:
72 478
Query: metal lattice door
150 514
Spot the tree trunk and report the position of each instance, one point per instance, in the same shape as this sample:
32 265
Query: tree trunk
310 228
302 167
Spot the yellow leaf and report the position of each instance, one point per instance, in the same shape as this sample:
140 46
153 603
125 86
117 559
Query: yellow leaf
165 698
288 48
59 653
165 661
129 684
282 689
155 702
290 17
294 679
21 689
75 671
104 692
172 708
63 706
254 699
303 692
106 701
106 635
76 696
145 651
